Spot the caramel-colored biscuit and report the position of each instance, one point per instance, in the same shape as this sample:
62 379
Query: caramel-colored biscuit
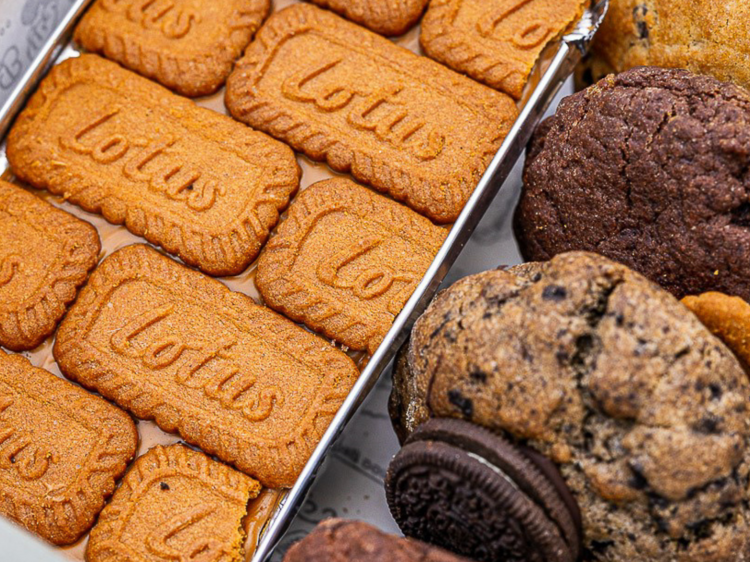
45 256
346 260
234 378
495 41
727 317
187 45
61 450
174 504
399 122
197 183
388 17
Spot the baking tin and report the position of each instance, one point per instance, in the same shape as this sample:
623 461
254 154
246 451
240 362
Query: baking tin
552 71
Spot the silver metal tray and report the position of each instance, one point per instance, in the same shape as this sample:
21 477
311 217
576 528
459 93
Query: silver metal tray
278 510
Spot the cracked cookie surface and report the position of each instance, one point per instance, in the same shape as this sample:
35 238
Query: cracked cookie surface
643 409
649 168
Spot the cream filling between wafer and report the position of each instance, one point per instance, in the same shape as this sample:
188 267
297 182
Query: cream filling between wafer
495 469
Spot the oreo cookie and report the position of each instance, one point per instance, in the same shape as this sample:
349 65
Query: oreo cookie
461 487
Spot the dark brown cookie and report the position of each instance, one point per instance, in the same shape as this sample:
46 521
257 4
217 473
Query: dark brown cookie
643 409
336 540
649 168
459 486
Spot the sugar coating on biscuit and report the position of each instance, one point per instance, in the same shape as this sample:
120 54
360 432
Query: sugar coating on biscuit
393 17
495 41
196 183
45 256
345 261
188 46
174 504
401 123
234 378
61 451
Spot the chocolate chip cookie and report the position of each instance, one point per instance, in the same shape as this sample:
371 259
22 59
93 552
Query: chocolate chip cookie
644 411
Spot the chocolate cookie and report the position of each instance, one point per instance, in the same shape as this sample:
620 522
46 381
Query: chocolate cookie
704 36
336 540
649 168
644 411
459 486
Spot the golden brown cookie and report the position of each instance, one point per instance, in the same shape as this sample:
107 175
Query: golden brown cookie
174 504
234 378
387 17
399 122
345 261
186 178
704 36
61 451
495 41
187 45
727 317
45 255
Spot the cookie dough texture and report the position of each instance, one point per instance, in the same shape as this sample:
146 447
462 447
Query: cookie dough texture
727 317
649 168
495 42
704 36
642 408
174 504
387 17
187 45
336 540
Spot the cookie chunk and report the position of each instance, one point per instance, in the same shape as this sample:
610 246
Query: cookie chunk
336 540
496 42
648 168
174 504
606 374
704 36
387 17
45 256
399 122
197 183
61 451
187 45
728 318
345 261
234 378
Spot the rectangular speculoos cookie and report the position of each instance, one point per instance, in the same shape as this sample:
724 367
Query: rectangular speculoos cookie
495 41
399 122
45 255
346 260
187 45
174 504
197 183
234 378
387 17
61 451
